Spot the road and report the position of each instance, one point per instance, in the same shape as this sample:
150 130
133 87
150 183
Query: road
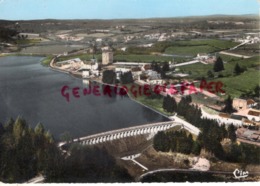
188 171
236 55
38 179
191 128
248 141
186 63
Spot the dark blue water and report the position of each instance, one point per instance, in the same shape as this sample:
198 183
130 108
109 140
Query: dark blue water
33 91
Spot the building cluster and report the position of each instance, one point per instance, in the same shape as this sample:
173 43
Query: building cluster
245 109
250 118
251 38
247 134
158 36
93 68
206 58
245 116
68 37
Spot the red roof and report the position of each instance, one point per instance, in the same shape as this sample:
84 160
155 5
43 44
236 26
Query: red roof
250 101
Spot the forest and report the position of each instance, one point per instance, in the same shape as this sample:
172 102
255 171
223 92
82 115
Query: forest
26 152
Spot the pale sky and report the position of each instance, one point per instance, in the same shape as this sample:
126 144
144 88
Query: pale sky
118 9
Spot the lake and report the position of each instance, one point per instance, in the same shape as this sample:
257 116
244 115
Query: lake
33 91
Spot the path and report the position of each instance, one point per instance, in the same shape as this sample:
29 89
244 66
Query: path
38 179
236 55
186 63
190 170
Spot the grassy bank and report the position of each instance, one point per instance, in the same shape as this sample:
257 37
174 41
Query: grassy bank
46 61
155 103
27 41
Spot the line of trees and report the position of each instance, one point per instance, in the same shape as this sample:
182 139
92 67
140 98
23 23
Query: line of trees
176 141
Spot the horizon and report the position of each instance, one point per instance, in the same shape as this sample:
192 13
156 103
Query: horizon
176 17
122 9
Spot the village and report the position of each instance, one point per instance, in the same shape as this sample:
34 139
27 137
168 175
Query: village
246 115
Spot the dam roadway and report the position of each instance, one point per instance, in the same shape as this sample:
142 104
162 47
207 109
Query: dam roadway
151 128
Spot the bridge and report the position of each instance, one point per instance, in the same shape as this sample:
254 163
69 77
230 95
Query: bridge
152 128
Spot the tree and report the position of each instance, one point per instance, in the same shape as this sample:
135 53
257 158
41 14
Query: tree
210 74
66 136
196 148
163 75
90 164
218 65
9 125
223 131
39 129
165 67
126 77
109 77
257 91
232 133
161 142
156 67
19 129
169 104
237 69
228 105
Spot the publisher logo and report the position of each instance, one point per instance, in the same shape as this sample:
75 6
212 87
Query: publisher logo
240 174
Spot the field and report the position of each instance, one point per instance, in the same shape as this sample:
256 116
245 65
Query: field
252 49
193 47
190 50
234 85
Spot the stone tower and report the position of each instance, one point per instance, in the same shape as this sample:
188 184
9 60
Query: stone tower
107 56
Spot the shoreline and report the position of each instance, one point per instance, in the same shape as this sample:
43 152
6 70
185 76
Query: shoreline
19 54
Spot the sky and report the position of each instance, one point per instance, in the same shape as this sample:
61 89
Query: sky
119 9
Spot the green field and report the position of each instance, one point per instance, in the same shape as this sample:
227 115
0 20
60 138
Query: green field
200 70
190 50
27 41
220 44
236 85
182 48
233 85
193 47
155 103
